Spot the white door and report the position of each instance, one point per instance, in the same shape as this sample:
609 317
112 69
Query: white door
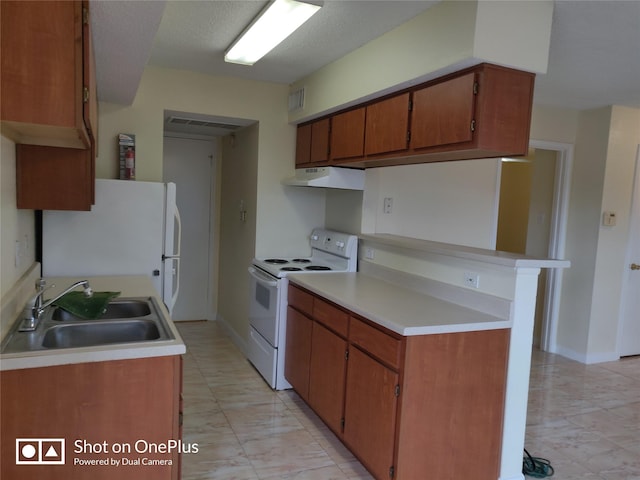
189 164
630 311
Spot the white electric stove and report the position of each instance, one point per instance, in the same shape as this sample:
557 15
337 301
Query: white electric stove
331 251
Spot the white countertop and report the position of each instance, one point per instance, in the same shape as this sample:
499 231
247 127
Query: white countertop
399 309
129 286
494 257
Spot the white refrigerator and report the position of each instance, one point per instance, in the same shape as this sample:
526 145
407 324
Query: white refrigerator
133 229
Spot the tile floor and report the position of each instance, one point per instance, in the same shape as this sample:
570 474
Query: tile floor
584 419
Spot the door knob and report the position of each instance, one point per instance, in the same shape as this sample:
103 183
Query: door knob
635 266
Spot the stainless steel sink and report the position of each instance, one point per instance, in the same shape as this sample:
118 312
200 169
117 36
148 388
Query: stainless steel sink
126 320
100 333
118 308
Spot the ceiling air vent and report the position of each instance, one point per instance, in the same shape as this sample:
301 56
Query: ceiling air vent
296 100
193 122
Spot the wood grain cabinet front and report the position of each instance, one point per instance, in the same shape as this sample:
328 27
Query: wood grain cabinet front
407 407
347 135
48 99
312 144
387 125
480 112
112 402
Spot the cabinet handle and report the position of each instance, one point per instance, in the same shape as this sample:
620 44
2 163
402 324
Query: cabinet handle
85 95
635 266
473 125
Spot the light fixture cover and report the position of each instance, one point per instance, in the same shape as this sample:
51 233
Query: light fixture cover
279 20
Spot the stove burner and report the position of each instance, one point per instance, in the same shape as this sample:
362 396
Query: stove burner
317 267
290 269
301 260
278 261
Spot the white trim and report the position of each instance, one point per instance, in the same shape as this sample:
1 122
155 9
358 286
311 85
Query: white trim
239 342
557 239
587 359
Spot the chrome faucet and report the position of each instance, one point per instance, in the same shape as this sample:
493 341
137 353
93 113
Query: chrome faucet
30 322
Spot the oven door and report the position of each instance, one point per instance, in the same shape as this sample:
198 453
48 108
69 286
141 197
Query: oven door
263 304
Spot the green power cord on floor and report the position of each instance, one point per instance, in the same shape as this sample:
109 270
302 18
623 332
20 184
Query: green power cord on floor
536 467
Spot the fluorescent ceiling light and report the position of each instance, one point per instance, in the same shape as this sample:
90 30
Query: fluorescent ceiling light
279 20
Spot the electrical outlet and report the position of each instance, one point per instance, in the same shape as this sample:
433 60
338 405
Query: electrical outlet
471 279
388 205
369 253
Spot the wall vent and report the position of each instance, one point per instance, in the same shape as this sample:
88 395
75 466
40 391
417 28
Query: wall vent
200 123
296 100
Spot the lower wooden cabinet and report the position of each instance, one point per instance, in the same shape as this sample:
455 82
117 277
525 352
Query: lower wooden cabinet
370 412
113 402
417 407
326 376
298 351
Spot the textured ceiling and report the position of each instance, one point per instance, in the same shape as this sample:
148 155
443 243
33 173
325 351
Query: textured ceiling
594 58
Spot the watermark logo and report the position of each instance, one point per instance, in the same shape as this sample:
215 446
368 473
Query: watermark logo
39 451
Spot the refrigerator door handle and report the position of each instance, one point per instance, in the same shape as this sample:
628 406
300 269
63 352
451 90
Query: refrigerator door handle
176 252
177 275
176 214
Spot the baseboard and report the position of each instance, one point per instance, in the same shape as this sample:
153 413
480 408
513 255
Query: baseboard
587 359
239 342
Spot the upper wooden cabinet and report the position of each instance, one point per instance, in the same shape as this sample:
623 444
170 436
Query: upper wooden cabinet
485 112
442 114
49 102
312 143
43 87
347 135
387 125
480 112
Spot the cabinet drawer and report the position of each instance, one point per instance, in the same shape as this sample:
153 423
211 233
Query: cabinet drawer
331 317
300 299
377 343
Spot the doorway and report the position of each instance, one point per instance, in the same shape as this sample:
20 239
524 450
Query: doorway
532 219
629 337
191 164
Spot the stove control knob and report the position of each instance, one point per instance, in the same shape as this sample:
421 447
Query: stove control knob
314 238
340 245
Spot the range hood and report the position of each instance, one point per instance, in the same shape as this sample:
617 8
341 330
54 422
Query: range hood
327 177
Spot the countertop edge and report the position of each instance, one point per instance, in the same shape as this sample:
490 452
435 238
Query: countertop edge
487 322
495 257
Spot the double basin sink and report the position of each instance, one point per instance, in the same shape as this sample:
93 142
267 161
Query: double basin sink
125 320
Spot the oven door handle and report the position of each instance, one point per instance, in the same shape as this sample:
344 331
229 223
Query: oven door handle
262 277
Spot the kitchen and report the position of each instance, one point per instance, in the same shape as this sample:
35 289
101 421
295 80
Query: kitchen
260 158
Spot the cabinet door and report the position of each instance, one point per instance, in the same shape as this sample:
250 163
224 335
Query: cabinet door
370 412
327 374
320 141
303 145
347 134
42 73
387 125
298 351
442 113
51 178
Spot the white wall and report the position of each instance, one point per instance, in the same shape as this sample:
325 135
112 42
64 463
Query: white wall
623 141
453 202
449 36
15 226
237 237
167 89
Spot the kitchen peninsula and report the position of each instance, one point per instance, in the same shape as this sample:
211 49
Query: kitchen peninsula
438 371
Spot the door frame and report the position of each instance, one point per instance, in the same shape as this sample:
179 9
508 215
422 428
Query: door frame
633 227
557 239
212 280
